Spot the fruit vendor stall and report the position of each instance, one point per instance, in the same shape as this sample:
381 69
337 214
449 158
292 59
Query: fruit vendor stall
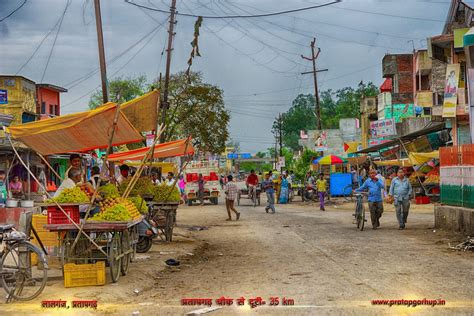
162 200
107 233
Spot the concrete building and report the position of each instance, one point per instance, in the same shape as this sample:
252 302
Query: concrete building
18 98
48 100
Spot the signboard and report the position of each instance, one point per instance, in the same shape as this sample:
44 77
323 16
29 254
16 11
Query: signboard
245 156
424 99
149 139
352 147
374 142
419 145
451 90
3 96
470 73
321 143
382 128
232 156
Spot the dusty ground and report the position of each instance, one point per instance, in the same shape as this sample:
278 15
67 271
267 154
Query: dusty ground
316 258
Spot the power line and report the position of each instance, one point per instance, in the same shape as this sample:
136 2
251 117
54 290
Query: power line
55 38
13 12
39 46
235 16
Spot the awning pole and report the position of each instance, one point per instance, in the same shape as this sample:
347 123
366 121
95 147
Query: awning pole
28 156
49 166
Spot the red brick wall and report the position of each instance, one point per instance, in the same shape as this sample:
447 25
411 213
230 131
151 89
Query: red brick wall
49 97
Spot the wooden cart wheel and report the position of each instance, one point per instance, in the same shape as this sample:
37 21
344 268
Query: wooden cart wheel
126 247
114 261
133 241
258 199
170 221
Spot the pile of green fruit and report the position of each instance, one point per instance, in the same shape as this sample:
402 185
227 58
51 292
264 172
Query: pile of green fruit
165 193
142 187
140 204
109 191
73 195
116 213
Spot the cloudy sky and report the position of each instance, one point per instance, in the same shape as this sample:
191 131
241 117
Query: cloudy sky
255 61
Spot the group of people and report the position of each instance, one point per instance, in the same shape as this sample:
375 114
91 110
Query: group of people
400 192
13 189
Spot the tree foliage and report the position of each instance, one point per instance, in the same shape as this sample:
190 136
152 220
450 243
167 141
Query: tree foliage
121 90
195 109
335 105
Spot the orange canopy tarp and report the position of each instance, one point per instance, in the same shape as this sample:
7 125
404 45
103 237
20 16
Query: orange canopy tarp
172 149
76 132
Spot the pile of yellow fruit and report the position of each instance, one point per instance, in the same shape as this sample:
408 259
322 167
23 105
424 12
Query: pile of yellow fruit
126 203
74 195
116 213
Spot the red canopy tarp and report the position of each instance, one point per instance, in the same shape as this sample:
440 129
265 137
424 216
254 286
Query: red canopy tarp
175 148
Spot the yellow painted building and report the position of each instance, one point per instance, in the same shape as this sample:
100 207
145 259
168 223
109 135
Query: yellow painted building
21 98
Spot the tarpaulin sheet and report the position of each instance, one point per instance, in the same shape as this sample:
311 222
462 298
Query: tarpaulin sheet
394 162
172 149
143 111
421 158
76 132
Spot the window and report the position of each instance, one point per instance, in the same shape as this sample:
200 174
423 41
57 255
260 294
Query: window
56 112
43 107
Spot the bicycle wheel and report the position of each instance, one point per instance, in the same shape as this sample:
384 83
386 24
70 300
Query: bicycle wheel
20 280
362 217
254 198
358 212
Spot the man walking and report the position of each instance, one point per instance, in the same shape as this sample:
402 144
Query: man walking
374 186
270 191
401 191
322 186
201 183
230 196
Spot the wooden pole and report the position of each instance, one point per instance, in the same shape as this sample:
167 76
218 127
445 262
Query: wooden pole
100 40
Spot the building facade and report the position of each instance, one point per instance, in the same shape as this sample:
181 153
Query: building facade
48 100
18 98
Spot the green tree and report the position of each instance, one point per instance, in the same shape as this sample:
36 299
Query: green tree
302 165
197 109
120 90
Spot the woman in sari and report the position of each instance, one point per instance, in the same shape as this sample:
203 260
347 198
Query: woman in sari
284 185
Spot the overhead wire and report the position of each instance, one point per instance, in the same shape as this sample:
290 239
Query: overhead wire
235 16
55 39
14 11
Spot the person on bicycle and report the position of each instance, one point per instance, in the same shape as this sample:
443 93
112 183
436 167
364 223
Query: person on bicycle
252 182
374 186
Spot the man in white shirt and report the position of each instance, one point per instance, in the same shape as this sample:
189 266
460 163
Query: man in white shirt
74 177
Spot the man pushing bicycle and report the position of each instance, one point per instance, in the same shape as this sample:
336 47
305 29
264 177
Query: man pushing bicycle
374 187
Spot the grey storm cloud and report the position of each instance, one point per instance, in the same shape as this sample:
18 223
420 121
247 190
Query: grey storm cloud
255 61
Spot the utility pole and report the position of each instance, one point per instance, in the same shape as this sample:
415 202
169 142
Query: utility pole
313 58
100 40
279 130
171 34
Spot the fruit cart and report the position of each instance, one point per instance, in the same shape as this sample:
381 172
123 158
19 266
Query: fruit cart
117 239
163 215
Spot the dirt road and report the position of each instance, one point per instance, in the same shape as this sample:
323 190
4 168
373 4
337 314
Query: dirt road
316 262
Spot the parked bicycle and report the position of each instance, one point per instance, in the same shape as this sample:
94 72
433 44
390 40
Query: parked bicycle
359 214
19 278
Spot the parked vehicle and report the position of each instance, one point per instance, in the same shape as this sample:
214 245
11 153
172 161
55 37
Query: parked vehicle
212 187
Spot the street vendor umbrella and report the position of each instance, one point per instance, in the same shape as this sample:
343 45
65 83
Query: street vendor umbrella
330 160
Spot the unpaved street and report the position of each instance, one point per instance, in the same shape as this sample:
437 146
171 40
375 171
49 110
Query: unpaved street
318 259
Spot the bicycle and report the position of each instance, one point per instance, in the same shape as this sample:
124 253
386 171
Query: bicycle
347 193
252 189
20 280
359 214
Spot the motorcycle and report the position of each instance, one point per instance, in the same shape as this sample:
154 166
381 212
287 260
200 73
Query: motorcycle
147 231
309 194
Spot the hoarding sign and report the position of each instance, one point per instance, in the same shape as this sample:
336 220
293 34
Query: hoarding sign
3 96
232 156
451 90
321 143
245 156
374 142
383 128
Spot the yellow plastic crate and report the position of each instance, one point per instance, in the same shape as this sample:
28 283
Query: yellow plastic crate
84 274
49 239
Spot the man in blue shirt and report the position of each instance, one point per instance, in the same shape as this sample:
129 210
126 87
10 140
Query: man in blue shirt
374 186
401 191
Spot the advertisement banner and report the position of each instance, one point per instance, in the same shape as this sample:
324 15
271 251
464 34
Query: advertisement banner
451 90
3 96
321 143
424 99
382 128
470 73
352 147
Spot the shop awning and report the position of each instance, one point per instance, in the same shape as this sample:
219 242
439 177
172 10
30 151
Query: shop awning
142 112
432 128
354 161
394 162
421 158
76 132
176 148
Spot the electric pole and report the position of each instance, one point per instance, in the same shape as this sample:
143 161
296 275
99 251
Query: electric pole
171 34
313 58
100 40
280 137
